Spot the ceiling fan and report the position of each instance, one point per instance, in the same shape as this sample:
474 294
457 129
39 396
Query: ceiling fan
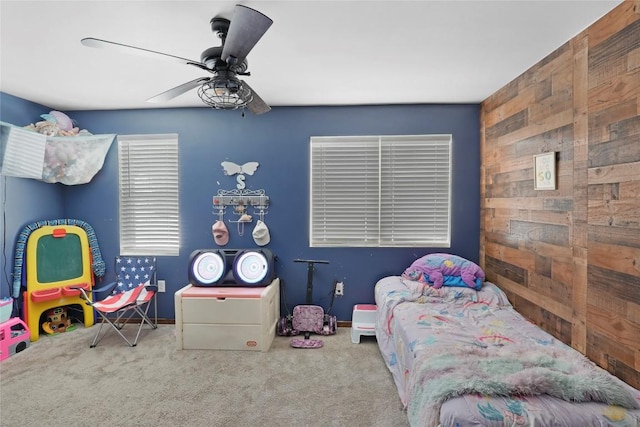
223 90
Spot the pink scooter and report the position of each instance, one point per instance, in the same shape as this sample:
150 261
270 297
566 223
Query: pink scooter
308 318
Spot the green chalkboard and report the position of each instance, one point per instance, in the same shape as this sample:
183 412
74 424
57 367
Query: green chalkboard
58 258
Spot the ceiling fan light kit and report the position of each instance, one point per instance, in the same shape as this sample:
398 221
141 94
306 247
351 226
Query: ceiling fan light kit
225 94
223 90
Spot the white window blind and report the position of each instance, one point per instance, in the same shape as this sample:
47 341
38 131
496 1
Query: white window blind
148 187
380 191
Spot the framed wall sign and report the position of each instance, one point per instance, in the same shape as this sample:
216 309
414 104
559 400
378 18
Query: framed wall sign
544 171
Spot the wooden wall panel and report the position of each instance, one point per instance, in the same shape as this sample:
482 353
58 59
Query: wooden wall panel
569 259
613 204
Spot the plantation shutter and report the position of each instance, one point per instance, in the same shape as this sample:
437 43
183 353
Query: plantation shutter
380 191
148 194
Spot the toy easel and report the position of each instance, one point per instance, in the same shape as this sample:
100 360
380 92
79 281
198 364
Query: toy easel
58 258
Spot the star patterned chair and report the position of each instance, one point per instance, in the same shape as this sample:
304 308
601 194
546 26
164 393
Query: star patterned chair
129 298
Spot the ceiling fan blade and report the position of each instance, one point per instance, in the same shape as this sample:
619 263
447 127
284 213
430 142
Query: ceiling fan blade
98 43
246 28
178 90
257 105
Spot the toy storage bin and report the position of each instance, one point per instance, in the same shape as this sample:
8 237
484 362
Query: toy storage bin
6 307
227 318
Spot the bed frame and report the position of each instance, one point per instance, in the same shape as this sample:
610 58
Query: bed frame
464 357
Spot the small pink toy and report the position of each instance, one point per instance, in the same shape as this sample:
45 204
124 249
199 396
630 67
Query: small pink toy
12 340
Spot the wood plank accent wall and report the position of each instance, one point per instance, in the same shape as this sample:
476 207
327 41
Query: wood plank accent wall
569 259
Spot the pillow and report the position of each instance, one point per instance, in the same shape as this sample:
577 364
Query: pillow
461 295
439 270
489 295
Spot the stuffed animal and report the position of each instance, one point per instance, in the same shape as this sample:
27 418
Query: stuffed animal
47 128
61 119
54 124
442 269
59 157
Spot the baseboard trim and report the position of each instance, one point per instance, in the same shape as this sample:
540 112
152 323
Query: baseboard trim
341 323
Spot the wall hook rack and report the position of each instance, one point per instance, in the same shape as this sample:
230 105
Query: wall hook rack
261 213
240 200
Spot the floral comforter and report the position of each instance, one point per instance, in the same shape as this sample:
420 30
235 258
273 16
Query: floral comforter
419 327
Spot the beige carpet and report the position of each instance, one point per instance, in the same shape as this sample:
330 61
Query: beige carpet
60 381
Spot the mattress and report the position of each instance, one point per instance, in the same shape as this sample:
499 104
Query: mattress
420 329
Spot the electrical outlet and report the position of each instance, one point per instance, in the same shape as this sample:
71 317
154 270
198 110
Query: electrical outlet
339 289
161 286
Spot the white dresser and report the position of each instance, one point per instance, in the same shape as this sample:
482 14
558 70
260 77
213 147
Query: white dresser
227 318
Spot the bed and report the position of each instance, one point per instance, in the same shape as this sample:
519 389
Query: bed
460 355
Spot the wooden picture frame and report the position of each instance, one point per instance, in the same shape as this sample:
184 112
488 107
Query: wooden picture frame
544 171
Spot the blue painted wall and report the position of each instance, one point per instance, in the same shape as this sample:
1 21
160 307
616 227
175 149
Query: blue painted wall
279 141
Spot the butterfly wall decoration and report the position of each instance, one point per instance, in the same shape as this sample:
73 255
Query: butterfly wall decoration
231 169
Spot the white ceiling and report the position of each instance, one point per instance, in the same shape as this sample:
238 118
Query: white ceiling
315 53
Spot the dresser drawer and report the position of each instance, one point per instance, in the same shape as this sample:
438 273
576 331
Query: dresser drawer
216 310
226 337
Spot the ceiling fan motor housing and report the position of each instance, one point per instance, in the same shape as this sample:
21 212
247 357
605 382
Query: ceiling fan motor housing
212 59
220 26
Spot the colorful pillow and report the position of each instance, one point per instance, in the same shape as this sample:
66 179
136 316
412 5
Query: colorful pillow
489 295
439 270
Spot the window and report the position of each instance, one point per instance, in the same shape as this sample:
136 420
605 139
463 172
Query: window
380 191
148 187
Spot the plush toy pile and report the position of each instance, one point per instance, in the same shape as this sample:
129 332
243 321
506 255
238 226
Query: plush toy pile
71 156
56 123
